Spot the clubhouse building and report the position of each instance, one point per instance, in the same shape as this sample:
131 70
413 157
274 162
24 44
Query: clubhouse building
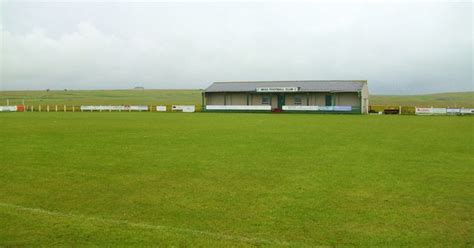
319 96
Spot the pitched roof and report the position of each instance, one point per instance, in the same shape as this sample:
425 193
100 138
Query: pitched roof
304 86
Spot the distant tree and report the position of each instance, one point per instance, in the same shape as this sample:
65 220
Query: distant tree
65 89
47 90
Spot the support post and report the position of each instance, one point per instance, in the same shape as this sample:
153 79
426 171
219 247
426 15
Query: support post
203 103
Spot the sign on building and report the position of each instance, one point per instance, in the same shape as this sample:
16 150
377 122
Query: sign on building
300 108
238 107
277 89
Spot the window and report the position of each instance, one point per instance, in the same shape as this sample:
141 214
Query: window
265 100
298 100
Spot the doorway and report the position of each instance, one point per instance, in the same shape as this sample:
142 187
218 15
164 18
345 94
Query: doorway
281 100
328 100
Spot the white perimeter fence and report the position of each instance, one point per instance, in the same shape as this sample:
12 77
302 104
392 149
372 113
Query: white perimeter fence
444 111
192 108
98 108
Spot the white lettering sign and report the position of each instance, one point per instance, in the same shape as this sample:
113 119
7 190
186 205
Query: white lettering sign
277 89
161 108
8 108
423 111
184 108
114 108
139 108
453 111
238 107
300 108
438 111
467 111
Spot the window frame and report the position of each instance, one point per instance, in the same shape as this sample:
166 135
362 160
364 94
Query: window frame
268 102
298 100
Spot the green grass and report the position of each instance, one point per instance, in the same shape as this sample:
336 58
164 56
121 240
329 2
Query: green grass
209 179
169 97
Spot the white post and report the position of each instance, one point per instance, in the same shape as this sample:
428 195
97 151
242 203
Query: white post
400 110
39 107
72 108
47 108
32 108
64 108
56 108
110 108
8 102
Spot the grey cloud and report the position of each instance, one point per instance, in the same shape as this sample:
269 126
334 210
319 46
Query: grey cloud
399 48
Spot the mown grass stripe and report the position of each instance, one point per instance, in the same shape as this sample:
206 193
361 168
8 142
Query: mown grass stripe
146 226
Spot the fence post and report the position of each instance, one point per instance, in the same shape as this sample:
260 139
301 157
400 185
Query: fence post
73 108
32 108
56 108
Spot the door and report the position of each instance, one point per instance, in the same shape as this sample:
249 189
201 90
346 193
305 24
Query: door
328 100
281 101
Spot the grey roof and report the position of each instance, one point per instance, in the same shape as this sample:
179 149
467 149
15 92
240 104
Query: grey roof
304 86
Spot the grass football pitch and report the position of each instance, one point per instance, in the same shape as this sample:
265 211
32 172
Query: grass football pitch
209 179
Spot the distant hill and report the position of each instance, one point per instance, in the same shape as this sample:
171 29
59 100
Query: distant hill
102 97
452 99
154 97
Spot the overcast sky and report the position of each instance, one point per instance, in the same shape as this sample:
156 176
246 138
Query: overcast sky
400 48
